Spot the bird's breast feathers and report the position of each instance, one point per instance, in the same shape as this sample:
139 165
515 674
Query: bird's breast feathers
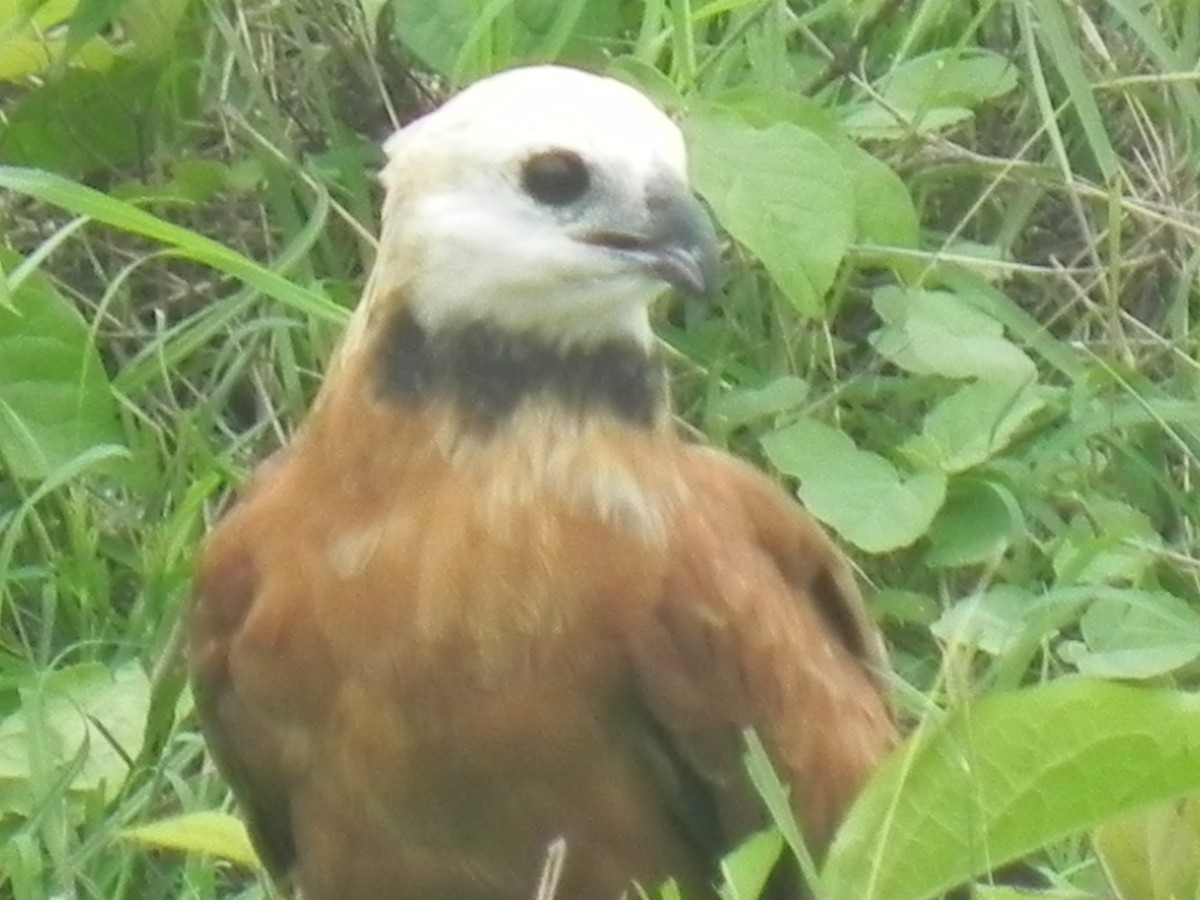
492 536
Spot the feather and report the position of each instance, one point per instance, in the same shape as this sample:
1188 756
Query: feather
488 603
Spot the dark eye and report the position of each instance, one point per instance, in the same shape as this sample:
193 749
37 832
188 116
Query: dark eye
555 178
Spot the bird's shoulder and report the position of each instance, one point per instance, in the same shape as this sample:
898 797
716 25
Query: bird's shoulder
760 624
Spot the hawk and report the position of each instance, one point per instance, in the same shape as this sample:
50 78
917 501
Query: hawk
487 599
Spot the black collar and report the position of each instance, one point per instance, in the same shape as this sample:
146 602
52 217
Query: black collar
489 372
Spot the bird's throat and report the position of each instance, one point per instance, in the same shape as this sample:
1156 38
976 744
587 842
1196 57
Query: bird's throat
488 373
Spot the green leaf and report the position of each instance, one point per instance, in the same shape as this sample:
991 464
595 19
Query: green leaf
782 191
557 26
79 122
748 868
210 833
884 214
646 78
152 24
939 333
1007 774
744 405
992 621
89 19
668 890
883 208
55 400
87 720
904 607
1153 854
33 40
857 493
1108 542
434 31
976 422
872 121
977 523
762 105
949 77
1135 634
976 292
931 92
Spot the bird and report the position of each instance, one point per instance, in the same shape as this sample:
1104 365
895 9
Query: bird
488 600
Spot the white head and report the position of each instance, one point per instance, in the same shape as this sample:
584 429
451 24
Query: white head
542 199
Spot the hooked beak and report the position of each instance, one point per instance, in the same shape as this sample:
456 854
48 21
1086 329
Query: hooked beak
677 245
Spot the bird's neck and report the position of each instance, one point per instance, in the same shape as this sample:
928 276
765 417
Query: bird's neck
488 373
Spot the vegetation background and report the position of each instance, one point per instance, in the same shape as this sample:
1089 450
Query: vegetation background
959 317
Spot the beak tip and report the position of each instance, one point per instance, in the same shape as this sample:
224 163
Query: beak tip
700 246
691 261
694 271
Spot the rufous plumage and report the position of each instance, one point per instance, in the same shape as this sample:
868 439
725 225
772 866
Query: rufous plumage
488 599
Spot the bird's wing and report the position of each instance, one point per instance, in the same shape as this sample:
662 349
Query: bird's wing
247 715
760 625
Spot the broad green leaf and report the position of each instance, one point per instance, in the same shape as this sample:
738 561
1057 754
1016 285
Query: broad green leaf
89 19
23 57
1135 634
976 524
744 405
939 333
647 79
1007 774
991 621
981 890
884 214
872 121
669 890
89 718
55 399
467 39
762 106
782 191
949 77
883 208
434 31
1153 854
857 493
931 92
1109 542
578 28
210 833
113 119
747 869
152 24
904 607
32 40
44 14
193 181
976 422
1031 333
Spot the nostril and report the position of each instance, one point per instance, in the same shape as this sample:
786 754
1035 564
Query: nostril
616 240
